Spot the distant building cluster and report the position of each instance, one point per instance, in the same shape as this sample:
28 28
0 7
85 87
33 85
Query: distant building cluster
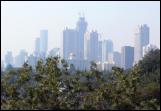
40 52
86 47
80 47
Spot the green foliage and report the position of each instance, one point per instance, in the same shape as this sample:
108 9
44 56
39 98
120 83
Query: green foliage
150 62
54 85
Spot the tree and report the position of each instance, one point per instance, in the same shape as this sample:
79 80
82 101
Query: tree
52 86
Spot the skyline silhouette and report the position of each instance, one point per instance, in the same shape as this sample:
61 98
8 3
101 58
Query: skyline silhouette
20 28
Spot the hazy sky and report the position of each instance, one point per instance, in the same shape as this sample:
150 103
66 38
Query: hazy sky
22 21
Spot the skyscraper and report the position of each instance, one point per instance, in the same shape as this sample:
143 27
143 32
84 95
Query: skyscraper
86 45
43 43
141 40
137 49
93 46
21 58
100 50
117 58
70 43
127 57
81 29
144 34
73 44
9 58
107 51
73 40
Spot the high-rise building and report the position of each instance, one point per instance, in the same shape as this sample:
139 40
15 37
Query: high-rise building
21 58
73 44
104 52
70 43
141 40
137 49
99 50
107 51
81 29
117 58
86 45
37 47
127 57
73 40
43 43
93 46
144 34
9 58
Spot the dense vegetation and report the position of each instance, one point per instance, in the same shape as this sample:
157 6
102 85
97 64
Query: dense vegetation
56 85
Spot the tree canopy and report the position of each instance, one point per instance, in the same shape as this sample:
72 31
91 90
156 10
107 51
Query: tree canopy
56 85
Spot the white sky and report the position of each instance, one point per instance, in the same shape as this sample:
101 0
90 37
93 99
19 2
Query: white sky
22 21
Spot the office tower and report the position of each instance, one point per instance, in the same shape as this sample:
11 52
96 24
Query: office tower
43 43
127 57
86 45
104 53
148 48
37 47
141 40
107 51
144 34
93 46
70 44
117 58
137 49
9 58
81 29
21 58
100 50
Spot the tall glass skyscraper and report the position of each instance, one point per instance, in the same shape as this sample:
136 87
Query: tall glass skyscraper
127 57
21 58
117 58
144 34
100 50
141 40
69 43
107 50
93 46
81 29
73 40
9 58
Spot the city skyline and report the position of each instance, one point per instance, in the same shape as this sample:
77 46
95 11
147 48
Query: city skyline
23 35
81 47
